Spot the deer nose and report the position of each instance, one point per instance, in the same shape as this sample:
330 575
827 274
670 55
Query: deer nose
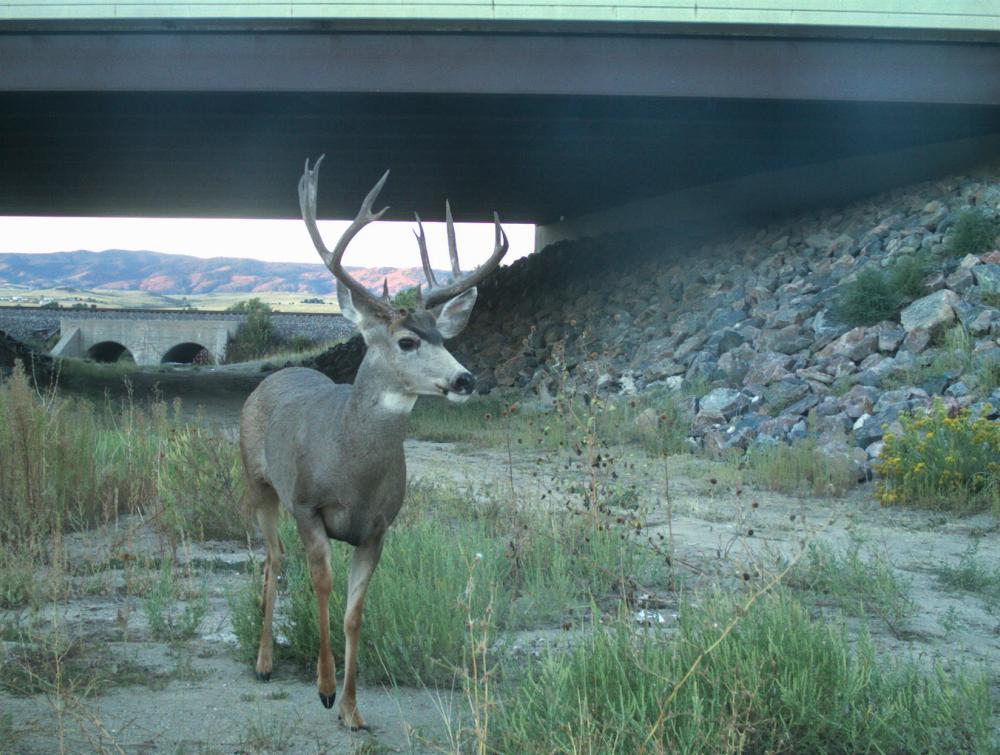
464 384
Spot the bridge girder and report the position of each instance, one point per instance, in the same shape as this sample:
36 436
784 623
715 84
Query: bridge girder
203 119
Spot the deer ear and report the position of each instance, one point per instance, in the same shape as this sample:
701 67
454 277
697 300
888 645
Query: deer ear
359 312
347 304
455 313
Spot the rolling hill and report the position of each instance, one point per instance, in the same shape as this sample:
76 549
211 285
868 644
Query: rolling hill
155 272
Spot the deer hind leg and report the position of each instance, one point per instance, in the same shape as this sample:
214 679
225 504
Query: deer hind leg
317 547
363 563
265 503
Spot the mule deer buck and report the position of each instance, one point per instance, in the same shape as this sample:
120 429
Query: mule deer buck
332 455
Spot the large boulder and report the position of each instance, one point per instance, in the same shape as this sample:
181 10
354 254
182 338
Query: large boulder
987 278
855 344
722 404
930 313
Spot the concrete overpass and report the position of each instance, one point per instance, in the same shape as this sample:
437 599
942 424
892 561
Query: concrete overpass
580 116
150 342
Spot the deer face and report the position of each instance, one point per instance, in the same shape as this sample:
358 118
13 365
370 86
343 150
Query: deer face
406 348
409 348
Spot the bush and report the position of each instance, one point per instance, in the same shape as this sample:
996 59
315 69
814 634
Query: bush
973 233
405 299
249 306
256 337
878 294
942 461
201 487
780 682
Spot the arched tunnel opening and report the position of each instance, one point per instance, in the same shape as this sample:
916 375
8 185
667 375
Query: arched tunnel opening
109 352
188 353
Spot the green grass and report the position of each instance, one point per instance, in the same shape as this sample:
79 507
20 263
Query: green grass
953 354
971 574
201 487
66 467
654 422
800 467
174 610
109 299
858 583
780 682
532 568
49 660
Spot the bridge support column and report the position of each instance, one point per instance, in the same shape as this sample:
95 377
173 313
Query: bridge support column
705 212
70 344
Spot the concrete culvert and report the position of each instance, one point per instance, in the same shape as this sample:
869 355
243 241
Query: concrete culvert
109 351
188 353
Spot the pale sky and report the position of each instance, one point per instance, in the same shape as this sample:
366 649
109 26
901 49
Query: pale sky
381 244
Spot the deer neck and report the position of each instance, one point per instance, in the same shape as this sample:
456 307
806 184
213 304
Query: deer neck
378 410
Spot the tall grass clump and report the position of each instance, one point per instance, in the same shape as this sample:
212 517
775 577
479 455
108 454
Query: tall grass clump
878 294
66 467
800 467
256 336
973 233
173 608
62 467
532 568
415 632
859 584
201 487
942 461
778 683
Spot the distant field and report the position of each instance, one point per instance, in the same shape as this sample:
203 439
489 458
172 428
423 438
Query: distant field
12 296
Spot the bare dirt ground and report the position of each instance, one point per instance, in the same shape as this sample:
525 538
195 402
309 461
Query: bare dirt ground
206 700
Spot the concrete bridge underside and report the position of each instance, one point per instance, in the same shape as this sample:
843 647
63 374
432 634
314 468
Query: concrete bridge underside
149 342
540 121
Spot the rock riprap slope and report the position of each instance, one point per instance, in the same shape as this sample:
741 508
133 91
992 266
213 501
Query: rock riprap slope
750 325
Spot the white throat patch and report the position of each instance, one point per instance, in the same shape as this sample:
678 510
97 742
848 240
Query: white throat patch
397 402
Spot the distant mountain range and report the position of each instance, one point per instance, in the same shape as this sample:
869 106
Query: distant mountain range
182 274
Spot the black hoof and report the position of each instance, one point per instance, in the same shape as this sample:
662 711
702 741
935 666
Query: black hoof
327 700
263 676
366 727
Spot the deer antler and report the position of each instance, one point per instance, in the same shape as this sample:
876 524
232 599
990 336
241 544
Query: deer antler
439 294
308 189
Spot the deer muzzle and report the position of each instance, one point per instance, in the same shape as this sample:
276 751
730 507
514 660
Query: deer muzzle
464 384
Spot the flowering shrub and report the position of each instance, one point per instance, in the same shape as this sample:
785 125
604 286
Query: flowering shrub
942 461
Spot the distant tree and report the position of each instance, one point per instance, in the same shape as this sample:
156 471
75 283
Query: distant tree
256 336
405 299
51 305
248 306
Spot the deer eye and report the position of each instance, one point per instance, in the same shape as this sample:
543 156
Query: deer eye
408 344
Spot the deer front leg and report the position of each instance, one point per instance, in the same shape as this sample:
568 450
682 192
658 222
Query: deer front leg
363 563
317 547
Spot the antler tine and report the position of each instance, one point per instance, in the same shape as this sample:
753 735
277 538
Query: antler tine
440 295
308 190
456 271
424 258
